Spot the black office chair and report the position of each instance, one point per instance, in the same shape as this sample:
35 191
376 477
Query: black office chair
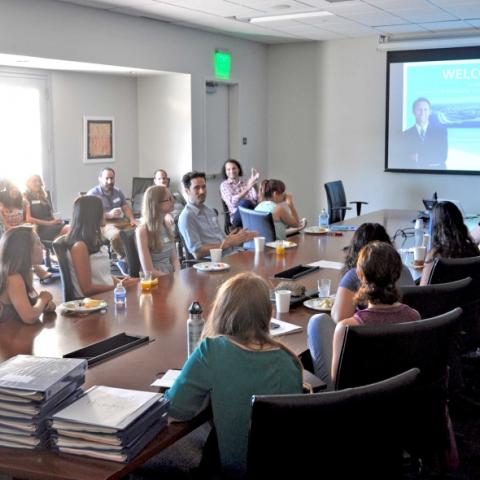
337 201
354 433
60 248
374 352
450 269
139 185
260 222
129 244
433 300
226 218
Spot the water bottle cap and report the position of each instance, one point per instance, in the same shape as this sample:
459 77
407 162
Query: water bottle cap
195 309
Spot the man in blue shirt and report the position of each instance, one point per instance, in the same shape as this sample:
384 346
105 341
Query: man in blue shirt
118 214
198 224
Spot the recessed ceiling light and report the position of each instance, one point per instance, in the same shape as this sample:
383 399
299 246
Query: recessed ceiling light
288 16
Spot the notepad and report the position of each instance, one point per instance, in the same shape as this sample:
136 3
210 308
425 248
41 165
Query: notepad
327 264
342 228
167 380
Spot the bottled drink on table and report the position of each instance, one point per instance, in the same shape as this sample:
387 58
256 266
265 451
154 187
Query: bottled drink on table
120 294
323 218
195 325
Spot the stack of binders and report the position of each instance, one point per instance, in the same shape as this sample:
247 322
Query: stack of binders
31 390
110 423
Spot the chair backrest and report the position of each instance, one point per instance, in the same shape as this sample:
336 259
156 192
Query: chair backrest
353 433
127 237
374 352
433 300
226 215
336 200
60 247
260 222
450 269
139 185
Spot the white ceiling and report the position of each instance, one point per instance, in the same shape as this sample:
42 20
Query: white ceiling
350 19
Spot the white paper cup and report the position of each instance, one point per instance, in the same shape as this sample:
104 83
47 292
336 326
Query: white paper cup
419 255
259 244
282 300
216 254
418 223
426 240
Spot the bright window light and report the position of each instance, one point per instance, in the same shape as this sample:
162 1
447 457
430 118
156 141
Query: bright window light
20 133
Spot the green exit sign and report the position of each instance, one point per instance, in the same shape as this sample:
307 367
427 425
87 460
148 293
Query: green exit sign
223 64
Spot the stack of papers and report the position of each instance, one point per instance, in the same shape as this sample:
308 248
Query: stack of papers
110 423
31 390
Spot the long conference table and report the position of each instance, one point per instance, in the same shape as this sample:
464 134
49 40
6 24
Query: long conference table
162 315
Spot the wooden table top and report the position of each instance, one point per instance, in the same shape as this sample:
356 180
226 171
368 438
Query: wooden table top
162 315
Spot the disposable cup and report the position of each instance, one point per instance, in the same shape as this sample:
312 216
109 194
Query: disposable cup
324 287
145 281
282 300
216 254
259 244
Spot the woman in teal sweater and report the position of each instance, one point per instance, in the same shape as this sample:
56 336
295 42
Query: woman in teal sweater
236 359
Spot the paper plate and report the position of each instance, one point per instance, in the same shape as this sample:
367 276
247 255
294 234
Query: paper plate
211 266
286 244
320 304
86 305
316 230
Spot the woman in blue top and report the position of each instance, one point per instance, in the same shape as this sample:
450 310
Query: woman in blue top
344 306
236 359
276 201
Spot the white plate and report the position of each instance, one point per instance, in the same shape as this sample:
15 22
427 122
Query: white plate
316 304
316 230
286 244
82 306
211 266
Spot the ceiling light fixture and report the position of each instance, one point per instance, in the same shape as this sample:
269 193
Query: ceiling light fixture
391 43
289 16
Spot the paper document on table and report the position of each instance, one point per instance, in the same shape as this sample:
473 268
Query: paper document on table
327 264
167 380
278 327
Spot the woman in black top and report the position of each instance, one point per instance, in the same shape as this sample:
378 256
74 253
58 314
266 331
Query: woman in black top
39 211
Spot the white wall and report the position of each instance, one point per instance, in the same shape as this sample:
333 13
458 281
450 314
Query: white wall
165 125
340 87
74 95
44 28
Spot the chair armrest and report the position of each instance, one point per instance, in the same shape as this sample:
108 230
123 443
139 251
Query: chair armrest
315 383
359 204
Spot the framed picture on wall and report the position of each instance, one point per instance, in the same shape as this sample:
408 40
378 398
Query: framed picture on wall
98 139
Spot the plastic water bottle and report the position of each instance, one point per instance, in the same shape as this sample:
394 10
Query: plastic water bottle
195 325
120 295
323 218
418 232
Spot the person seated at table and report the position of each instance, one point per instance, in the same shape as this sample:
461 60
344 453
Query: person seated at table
89 262
20 248
13 210
161 178
450 237
118 214
379 267
39 210
344 306
236 192
275 200
198 224
154 237
237 358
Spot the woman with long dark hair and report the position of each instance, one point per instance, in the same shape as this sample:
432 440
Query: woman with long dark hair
20 247
275 199
450 237
236 359
89 260
378 267
344 305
